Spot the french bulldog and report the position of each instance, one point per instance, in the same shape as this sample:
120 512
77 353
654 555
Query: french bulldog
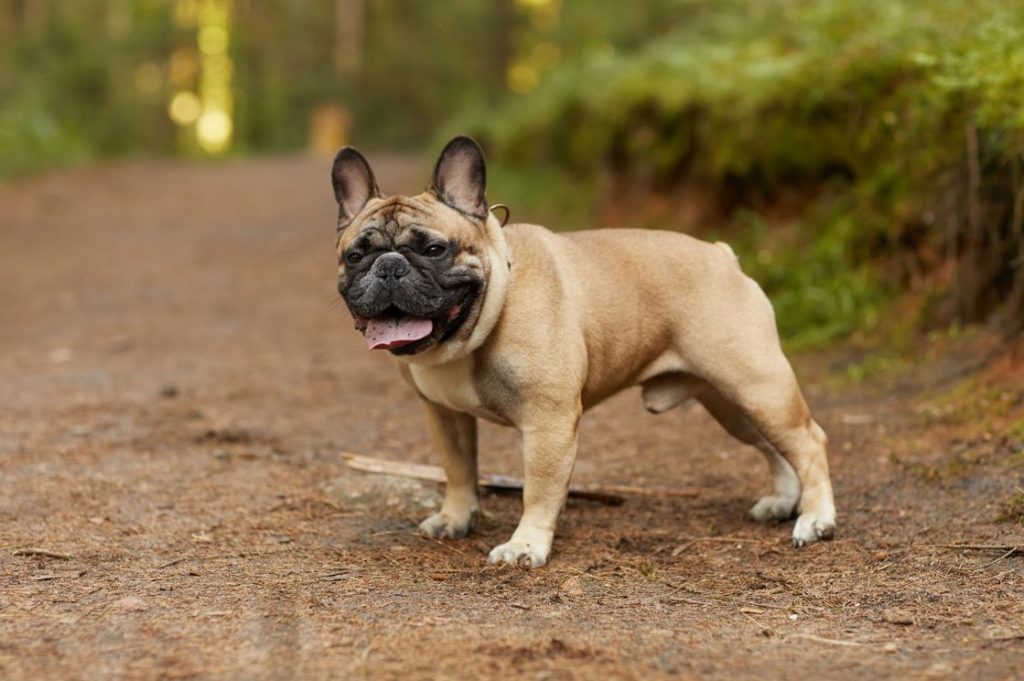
529 328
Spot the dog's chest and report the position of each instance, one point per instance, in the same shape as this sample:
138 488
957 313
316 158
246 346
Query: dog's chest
450 385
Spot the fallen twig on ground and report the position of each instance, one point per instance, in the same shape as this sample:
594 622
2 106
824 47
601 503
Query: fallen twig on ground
171 563
1005 555
1009 548
441 543
606 494
43 552
831 641
729 540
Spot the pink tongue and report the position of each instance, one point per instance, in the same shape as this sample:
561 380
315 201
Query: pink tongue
394 333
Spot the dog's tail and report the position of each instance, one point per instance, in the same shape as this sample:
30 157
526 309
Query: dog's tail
728 249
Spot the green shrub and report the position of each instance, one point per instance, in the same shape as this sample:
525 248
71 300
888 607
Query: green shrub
902 120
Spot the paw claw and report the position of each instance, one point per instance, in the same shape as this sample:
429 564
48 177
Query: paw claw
441 526
518 553
811 527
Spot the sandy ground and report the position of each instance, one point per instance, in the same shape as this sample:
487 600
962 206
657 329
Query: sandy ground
177 384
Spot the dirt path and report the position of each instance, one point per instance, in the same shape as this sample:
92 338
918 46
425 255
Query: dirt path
175 389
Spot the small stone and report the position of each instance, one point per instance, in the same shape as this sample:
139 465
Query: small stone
897 616
572 586
390 494
61 355
939 670
890 648
169 390
121 343
997 632
129 604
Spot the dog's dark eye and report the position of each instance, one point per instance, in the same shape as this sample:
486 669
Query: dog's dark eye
435 251
353 258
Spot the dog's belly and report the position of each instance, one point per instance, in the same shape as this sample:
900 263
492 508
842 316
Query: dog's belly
451 385
613 377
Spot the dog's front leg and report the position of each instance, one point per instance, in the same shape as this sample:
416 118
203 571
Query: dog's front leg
454 435
549 451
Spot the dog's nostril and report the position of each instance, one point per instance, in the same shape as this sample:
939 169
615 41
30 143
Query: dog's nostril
391 266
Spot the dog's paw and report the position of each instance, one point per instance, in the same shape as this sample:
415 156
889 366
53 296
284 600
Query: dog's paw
812 527
773 507
519 553
442 525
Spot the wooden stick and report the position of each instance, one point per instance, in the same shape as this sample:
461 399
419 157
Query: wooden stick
980 547
43 552
1005 555
606 494
830 641
172 563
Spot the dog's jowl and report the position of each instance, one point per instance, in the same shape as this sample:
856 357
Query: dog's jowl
528 328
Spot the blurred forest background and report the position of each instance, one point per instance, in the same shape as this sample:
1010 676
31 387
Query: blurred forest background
864 156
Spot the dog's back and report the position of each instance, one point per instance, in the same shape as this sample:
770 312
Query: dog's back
653 287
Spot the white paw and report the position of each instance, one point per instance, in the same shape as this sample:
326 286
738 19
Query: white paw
450 525
519 553
811 527
773 507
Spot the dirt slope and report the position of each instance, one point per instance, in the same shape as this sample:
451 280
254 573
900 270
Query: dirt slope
176 386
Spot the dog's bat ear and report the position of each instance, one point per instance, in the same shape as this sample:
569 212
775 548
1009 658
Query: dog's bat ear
353 183
460 177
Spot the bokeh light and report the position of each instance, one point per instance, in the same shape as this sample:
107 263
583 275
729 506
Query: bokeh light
522 78
213 130
214 125
184 108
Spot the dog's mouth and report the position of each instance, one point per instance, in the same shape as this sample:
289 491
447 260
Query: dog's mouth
405 334
394 330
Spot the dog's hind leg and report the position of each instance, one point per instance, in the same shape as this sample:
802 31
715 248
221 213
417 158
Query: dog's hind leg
768 395
740 356
669 390
788 426
781 504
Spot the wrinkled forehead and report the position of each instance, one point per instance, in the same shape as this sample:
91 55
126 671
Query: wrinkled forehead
400 220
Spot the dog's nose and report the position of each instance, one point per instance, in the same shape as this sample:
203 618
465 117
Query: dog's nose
390 266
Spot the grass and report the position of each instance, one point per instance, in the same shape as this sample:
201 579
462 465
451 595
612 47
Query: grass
1013 509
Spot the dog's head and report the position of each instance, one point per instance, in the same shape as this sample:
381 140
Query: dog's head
416 271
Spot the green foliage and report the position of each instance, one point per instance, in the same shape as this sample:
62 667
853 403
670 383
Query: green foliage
92 79
862 103
1013 509
549 194
32 138
74 85
817 293
1017 431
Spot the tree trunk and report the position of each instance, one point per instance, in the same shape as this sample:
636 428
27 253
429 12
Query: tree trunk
348 45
